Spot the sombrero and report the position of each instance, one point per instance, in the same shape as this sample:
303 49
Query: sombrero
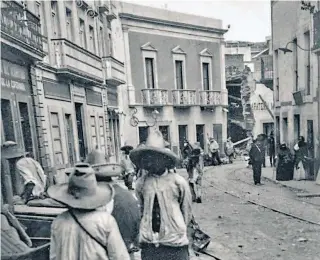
99 164
126 147
83 191
154 151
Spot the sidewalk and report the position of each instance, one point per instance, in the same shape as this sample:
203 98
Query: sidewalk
309 187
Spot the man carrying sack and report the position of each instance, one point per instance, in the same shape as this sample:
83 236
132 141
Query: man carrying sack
165 202
86 230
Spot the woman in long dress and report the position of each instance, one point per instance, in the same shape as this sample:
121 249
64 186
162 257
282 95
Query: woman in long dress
285 165
301 164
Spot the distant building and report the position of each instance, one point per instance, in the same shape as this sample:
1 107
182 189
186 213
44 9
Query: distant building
247 111
295 43
175 73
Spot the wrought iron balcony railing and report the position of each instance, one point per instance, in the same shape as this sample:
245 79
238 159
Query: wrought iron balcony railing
20 25
184 97
154 97
212 98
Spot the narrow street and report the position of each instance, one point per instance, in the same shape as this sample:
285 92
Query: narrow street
241 229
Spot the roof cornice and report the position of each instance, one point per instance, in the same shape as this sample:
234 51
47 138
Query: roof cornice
171 23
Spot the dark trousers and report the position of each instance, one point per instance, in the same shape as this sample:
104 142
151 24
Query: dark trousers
128 180
151 252
272 156
256 167
215 156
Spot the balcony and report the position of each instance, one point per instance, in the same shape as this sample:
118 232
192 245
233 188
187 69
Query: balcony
316 30
183 98
213 98
266 68
154 97
114 71
74 62
21 29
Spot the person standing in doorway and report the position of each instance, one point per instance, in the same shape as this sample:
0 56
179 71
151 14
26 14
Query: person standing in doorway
272 152
214 151
256 158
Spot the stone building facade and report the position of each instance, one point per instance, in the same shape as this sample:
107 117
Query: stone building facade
296 75
175 76
73 82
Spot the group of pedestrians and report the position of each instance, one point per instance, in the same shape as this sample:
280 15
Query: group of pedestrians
106 221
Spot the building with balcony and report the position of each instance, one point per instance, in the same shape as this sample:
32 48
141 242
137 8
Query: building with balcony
249 111
60 68
296 75
175 76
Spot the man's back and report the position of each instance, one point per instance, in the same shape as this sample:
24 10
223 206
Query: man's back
70 242
126 212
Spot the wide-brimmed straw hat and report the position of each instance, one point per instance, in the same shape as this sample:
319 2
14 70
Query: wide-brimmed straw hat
126 147
82 191
101 166
154 151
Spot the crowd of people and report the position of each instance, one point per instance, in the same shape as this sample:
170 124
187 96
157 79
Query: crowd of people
106 221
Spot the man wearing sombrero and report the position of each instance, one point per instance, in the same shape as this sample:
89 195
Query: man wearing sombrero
129 169
165 201
126 209
86 230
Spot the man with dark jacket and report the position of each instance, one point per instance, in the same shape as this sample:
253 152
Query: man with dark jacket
256 158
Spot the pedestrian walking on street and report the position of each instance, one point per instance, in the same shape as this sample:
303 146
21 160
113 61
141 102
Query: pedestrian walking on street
129 168
214 151
165 202
272 149
256 158
301 160
195 173
86 230
285 164
229 150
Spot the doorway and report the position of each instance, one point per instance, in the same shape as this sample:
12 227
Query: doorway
267 128
81 140
143 133
183 135
296 122
217 135
70 139
200 135
310 143
164 129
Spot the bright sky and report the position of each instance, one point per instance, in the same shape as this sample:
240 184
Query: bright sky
249 20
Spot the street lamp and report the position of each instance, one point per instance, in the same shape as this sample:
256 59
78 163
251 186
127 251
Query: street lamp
285 49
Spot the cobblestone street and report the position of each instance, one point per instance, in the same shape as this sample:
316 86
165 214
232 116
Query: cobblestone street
242 230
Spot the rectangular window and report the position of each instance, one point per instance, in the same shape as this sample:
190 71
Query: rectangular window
82 33
307 62
179 74
70 139
101 133
94 140
91 39
110 44
69 24
7 121
56 139
205 76
54 18
25 127
150 72
101 41
296 64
